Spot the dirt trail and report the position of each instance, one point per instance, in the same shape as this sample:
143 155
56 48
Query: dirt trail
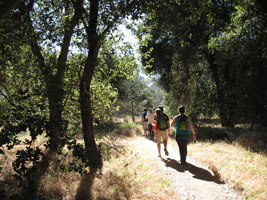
191 182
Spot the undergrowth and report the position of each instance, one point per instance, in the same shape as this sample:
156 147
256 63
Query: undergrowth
126 175
243 163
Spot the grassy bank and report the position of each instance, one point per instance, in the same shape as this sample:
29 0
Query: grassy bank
244 169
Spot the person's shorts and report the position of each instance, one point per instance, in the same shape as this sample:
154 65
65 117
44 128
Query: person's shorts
145 125
162 135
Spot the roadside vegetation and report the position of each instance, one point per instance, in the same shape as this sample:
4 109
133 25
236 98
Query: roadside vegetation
242 163
126 175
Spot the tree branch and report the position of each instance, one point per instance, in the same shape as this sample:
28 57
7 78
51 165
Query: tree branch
36 49
69 29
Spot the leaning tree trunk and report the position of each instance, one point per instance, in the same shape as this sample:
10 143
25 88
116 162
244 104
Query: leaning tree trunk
87 123
94 42
93 153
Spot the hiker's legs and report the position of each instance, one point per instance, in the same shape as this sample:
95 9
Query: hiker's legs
182 141
165 144
143 124
145 127
181 147
150 129
165 141
159 138
158 144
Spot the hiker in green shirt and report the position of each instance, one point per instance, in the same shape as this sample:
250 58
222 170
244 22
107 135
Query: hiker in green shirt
163 130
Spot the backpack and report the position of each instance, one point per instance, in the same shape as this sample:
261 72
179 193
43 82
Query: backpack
181 124
144 117
162 122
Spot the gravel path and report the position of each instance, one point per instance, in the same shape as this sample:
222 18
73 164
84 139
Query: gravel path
193 181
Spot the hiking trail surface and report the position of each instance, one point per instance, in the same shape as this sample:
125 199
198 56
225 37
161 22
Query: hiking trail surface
192 181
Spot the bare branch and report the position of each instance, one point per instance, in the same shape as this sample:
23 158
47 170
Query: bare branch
67 38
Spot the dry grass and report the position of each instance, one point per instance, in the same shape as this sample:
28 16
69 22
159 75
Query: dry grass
126 175
244 169
131 176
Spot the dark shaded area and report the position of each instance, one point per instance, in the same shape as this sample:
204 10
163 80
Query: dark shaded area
85 187
199 173
215 134
105 128
7 6
253 139
28 187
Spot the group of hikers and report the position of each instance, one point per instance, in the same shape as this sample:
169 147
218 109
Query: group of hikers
158 127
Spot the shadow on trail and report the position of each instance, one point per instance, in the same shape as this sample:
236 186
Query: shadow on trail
199 173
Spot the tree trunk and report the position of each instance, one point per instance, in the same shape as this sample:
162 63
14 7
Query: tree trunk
54 82
94 42
133 111
57 128
93 153
225 97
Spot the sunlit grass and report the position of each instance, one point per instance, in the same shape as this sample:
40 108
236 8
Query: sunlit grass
131 176
125 175
244 169
128 175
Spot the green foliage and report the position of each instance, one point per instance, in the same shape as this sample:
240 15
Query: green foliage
209 55
135 95
23 118
115 63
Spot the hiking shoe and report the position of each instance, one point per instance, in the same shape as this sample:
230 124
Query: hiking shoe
183 163
166 152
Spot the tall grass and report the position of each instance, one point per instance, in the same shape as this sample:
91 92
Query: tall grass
130 176
125 175
244 169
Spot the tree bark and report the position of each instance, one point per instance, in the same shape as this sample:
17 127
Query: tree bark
55 94
94 42
226 101
133 111
93 153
